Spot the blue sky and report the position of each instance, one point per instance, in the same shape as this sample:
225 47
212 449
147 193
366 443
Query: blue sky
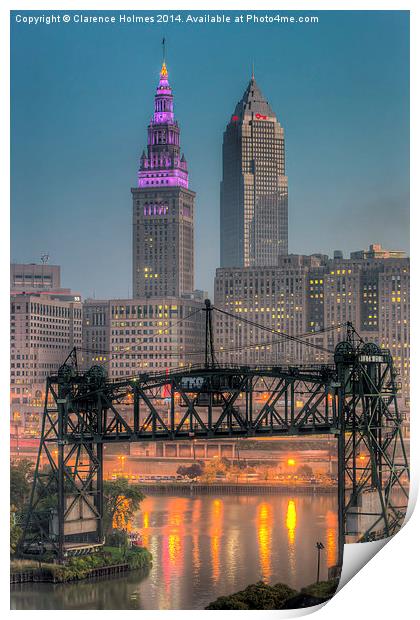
82 96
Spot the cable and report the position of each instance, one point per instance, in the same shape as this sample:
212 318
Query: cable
273 331
233 349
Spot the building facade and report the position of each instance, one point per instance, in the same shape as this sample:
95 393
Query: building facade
163 208
254 188
44 328
130 336
304 295
96 342
35 277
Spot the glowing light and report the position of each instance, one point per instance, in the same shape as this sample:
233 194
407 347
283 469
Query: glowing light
215 535
291 520
331 536
159 168
291 462
265 521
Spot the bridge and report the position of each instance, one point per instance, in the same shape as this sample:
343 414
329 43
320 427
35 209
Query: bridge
353 399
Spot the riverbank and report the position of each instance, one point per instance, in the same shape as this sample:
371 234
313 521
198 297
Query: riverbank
109 562
233 488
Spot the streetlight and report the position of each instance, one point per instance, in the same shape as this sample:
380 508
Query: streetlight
319 546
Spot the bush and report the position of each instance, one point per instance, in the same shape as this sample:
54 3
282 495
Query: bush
323 589
227 602
255 596
263 596
117 538
139 557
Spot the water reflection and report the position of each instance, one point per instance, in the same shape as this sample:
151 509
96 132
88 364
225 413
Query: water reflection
331 519
215 535
291 521
265 521
204 547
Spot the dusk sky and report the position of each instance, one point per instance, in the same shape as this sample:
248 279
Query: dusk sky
82 96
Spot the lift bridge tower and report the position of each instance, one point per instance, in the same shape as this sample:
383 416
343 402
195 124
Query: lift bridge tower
354 400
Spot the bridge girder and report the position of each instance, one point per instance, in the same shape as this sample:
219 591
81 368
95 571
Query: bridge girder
354 400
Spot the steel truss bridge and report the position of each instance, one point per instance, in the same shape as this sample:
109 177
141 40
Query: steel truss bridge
353 400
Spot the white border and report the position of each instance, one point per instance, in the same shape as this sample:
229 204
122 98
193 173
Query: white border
387 586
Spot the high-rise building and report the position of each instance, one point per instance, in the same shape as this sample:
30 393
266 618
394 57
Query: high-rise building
254 190
276 297
96 344
44 328
163 208
302 296
129 336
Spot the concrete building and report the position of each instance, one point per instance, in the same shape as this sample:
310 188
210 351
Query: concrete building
96 332
129 336
163 208
273 296
254 188
44 327
305 294
35 277
377 251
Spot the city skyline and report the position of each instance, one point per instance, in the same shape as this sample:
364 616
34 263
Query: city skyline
81 184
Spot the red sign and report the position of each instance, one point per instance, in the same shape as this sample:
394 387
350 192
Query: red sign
235 118
261 117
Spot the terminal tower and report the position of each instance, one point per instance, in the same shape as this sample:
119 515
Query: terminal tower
163 207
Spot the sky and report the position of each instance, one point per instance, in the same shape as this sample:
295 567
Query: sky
82 96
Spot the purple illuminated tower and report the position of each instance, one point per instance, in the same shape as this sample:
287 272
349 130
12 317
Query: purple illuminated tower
163 208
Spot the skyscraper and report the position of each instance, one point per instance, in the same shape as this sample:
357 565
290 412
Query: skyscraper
163 208
254 195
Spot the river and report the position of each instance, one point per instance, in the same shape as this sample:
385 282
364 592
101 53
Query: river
204 547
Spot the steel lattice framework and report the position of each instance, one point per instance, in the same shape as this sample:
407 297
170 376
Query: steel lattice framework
353 400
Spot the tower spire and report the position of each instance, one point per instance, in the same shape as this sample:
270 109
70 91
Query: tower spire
253 73
164 70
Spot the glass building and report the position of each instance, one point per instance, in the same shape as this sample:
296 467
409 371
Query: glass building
254 194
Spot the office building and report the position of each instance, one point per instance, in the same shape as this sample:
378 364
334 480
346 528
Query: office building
254 189
163 208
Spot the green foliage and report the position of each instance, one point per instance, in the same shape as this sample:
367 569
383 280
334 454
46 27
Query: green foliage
80 568
262 596
117 538
255 596
323 589
21 475
227 602
15 533
116 493
139 557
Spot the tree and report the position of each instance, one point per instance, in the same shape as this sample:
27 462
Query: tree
305 470
21 475
192 471
121 500
15 532
217 466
